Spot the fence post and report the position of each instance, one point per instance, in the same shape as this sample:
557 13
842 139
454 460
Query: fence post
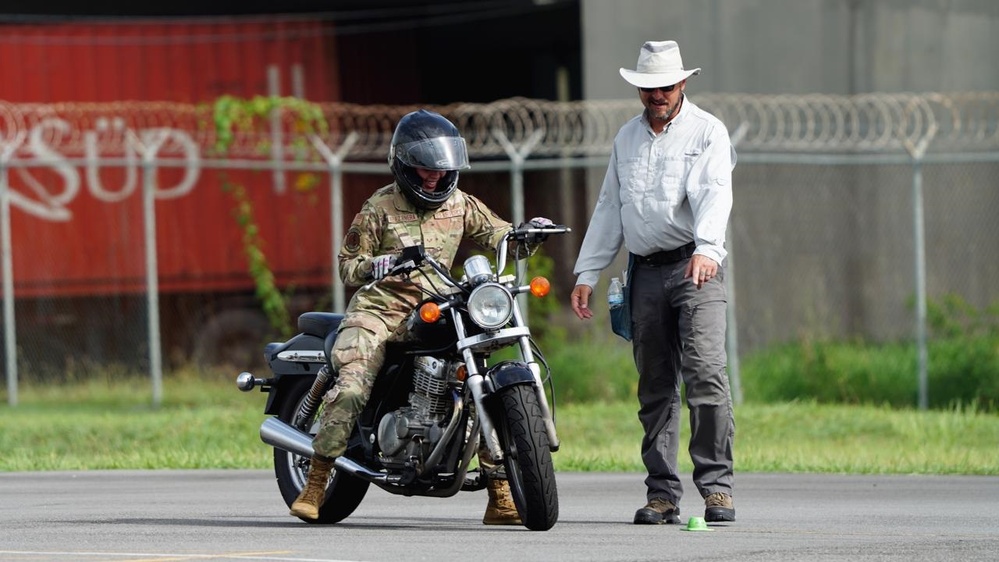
7 265
277 135
732 326
149 146
335 163
517 158
919 236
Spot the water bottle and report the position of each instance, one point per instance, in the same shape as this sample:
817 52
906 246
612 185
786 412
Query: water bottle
615 294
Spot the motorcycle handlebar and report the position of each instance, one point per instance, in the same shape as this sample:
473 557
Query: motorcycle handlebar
521 233
413 257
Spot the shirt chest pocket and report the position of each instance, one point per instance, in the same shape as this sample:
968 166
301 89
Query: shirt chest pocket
662 180
673 169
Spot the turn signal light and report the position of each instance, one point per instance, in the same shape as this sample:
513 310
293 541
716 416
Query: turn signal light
461 373
430 312
540 286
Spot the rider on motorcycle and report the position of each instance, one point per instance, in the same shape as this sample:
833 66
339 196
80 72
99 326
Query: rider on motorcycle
422 206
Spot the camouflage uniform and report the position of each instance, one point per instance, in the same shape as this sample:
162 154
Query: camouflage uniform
386 224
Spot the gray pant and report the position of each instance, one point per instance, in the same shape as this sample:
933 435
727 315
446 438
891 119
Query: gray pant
679 332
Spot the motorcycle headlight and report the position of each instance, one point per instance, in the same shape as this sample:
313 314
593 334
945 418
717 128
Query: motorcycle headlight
490 306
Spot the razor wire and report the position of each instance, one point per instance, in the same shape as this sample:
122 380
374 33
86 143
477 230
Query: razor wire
808 128
857 124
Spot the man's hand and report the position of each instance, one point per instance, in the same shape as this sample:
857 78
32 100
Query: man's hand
581 301
701 268
381 265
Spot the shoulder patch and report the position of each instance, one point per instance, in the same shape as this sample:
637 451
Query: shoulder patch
352 242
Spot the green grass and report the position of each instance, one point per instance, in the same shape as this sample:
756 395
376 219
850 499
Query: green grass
204 422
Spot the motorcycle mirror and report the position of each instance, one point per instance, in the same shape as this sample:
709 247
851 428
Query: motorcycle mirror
414 254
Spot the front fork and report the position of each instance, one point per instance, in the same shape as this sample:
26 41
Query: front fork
539 385
476 382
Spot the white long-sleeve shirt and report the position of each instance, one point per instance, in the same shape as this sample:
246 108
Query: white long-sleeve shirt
662 192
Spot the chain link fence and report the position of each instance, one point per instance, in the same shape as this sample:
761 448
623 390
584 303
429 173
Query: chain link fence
125 227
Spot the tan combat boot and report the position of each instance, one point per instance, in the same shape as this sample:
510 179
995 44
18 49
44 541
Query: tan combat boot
501 509
307 504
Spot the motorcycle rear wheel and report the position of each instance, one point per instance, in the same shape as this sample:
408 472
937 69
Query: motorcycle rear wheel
344 492
528 459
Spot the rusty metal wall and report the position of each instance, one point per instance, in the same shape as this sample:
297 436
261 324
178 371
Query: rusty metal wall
166 60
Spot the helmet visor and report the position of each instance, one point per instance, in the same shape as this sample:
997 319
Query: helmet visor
439 153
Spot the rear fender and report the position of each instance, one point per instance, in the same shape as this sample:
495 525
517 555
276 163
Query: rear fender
287 374
285 388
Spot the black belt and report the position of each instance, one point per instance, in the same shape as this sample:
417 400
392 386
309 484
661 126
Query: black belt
669 256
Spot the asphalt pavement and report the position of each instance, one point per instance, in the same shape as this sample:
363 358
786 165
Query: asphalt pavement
219 515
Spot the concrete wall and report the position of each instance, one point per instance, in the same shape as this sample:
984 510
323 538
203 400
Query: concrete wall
799 46
827 251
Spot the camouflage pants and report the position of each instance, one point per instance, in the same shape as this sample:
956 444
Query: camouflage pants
357 357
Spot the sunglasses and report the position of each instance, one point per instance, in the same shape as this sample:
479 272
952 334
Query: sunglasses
666 89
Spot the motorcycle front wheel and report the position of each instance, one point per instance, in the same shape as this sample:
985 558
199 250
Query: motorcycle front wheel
344 492
528 458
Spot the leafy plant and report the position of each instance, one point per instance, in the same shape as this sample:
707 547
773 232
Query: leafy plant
963 365
953 317
271 299
230 115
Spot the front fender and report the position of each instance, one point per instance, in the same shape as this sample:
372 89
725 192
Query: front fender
508 373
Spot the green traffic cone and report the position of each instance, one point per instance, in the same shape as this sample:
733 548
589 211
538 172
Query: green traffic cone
696 524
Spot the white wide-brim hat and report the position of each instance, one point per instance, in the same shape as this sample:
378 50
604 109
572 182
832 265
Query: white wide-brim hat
659 64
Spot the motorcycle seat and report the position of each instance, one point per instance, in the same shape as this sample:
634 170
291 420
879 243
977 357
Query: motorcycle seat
319 324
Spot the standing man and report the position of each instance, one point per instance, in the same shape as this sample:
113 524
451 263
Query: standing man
667 197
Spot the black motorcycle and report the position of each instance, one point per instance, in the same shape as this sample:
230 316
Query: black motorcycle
434 398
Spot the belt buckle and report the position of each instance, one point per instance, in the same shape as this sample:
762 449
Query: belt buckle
655 258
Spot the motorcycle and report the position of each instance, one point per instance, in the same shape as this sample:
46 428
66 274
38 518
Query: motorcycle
435 397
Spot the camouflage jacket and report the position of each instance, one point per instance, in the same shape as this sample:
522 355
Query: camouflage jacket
386 224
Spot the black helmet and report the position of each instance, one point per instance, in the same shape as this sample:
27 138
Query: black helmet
424 139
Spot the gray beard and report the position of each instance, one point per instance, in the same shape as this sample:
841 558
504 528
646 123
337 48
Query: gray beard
667 118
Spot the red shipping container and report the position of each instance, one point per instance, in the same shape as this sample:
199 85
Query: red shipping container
77 230
174 60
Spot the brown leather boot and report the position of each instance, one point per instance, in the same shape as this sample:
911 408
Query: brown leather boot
306 506
501 509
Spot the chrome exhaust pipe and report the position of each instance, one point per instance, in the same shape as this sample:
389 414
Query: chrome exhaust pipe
280 435
355 469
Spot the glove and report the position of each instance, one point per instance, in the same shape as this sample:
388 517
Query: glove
381 265
537 222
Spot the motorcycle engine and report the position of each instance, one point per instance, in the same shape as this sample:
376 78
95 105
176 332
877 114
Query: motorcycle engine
413 431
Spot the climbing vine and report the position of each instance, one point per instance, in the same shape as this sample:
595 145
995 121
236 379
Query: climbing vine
231 115
271 298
